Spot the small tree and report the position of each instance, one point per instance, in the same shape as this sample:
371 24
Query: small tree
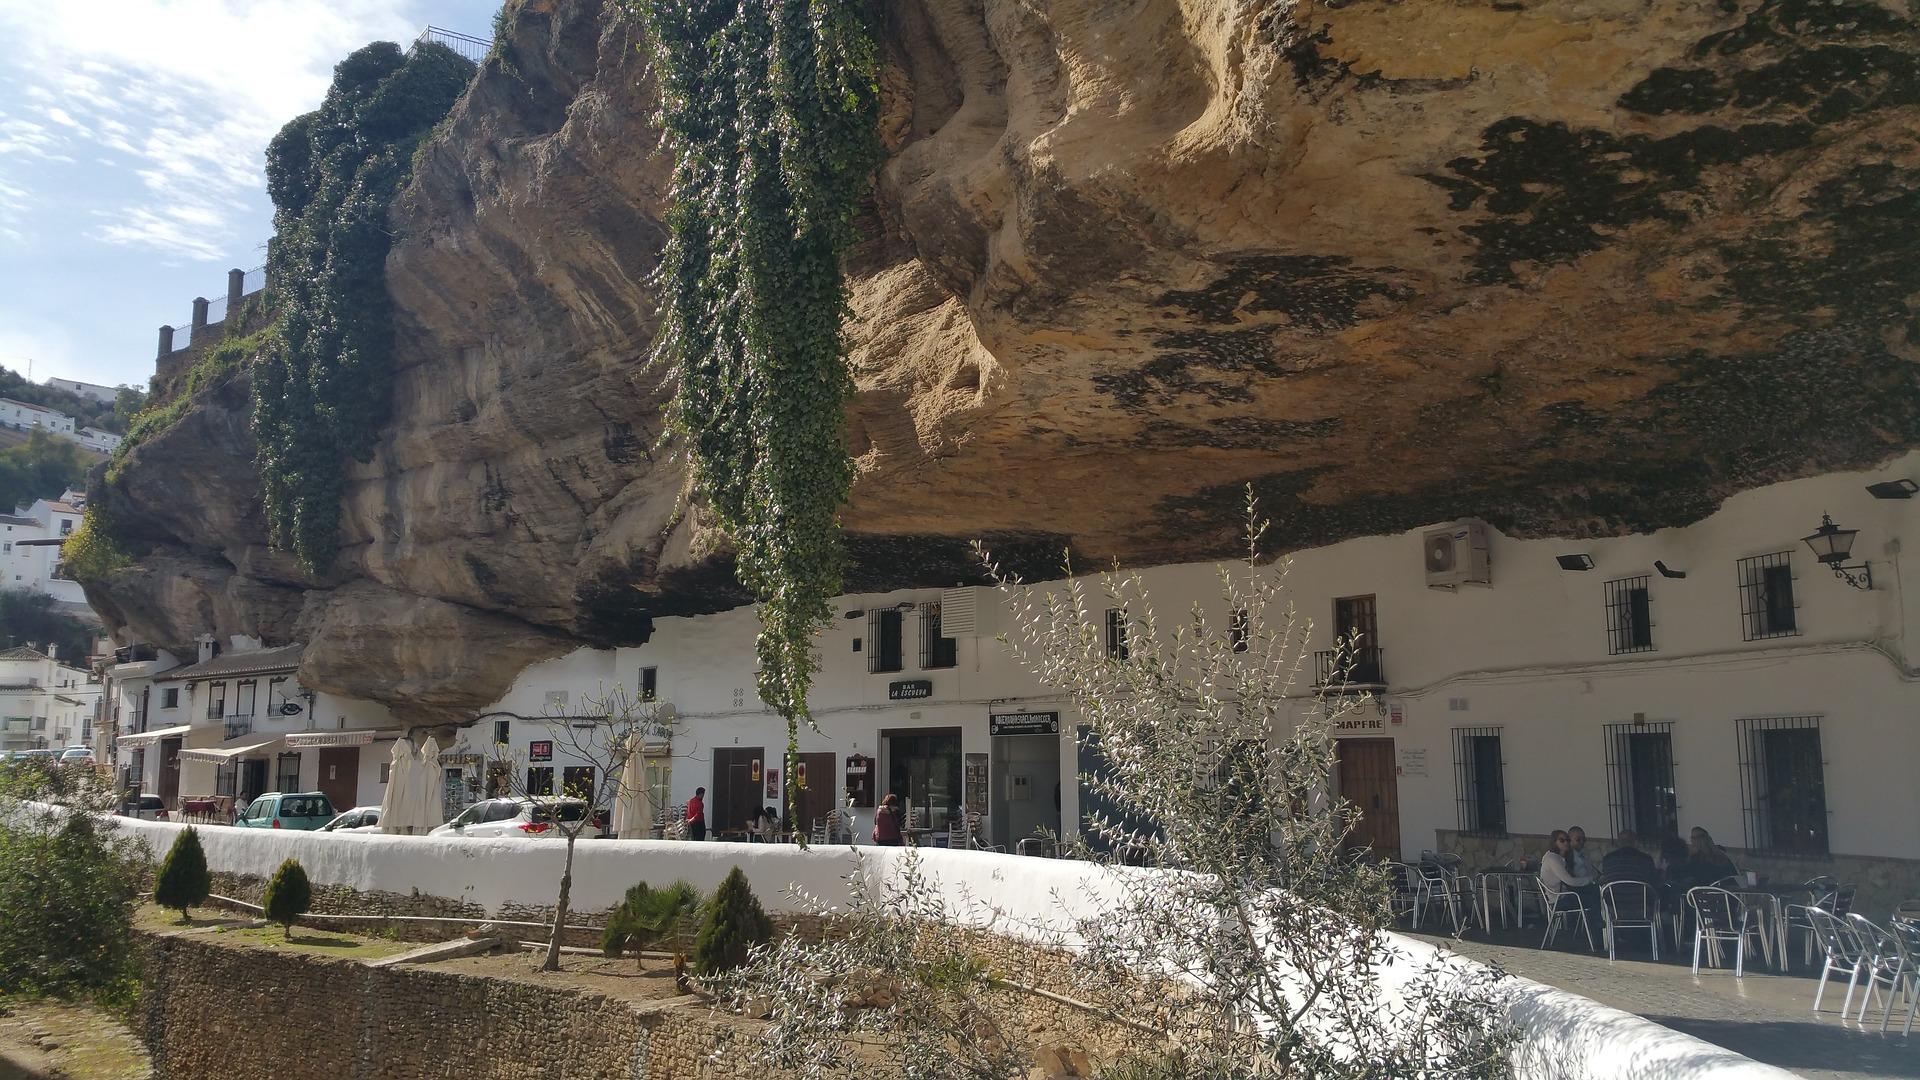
734 924
183 881
647 915
288 896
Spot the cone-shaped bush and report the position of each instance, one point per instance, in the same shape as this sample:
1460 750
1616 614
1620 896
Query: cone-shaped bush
647 915
735 923
183 880
288 895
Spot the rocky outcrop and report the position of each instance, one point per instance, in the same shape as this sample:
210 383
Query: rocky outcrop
1573 266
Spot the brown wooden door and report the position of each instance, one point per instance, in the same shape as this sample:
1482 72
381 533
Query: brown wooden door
340 775
1368 783
737 777
169 771
820 794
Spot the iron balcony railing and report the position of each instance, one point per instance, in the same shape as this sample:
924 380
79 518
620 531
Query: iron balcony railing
238 726
1354 669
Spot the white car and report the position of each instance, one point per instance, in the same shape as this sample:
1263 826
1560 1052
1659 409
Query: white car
358 819
514 817
76 755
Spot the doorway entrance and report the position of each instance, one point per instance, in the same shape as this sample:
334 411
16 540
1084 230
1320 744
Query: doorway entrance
253 780
169 770
736 787
340 776
818 792
1025 779
1367 781
923 768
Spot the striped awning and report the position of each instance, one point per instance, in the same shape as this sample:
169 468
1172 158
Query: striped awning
233 748
148 738
303 740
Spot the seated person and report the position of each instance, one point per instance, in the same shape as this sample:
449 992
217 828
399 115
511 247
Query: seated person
1626 862
1558 880
766 825
1706 862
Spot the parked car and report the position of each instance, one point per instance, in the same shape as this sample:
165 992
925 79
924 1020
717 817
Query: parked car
36 755
358 819
309 810
514 817
76 755
145 807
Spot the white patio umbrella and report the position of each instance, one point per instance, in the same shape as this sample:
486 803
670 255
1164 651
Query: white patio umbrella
393 804
429 812
632 810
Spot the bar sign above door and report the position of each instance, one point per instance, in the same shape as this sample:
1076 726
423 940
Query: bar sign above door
909 688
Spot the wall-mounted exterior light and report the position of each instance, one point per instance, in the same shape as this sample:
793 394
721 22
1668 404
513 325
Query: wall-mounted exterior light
1833 546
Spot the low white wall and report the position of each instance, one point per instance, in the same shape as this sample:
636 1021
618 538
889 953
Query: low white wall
1565 1036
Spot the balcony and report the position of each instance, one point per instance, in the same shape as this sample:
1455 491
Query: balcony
238 726
1349 670
216 710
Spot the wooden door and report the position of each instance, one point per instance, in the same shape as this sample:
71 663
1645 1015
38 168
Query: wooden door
737 776
1368 783
820 793
169 771
340 776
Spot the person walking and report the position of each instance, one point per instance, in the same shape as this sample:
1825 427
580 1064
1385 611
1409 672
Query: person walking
886 822
697 815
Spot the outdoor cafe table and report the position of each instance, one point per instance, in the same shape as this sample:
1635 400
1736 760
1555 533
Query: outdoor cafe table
1498 880
1770 901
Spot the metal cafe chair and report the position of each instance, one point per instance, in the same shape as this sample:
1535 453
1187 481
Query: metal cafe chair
1885 962
1906 940
1628 905
1720 916
1408 900
1841 951
1564 905
1040 846
1441 885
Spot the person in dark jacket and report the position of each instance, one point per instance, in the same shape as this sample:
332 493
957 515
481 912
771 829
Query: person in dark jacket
1626 862
886 822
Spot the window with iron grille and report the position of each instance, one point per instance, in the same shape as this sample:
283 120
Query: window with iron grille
1117 643
1766 596
170 698
1783 784
287 772
1640 787
1629 616
1480 784
226 777
883 633
137 771
936 649
216 700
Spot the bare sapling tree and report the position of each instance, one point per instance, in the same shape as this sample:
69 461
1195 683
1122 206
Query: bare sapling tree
1235 933
603 734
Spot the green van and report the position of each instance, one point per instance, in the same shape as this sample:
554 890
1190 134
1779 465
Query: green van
287 810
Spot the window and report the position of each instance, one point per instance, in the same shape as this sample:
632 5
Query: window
386 767
649 683
540 780
1480 785
246 696
286 773
1629 616
1237 626
502 730
1640 779
216 700
8 548
66 526
225 777
170 698
1118 643
1766 596
1356 659
883 627
936 649
576 781
1783 785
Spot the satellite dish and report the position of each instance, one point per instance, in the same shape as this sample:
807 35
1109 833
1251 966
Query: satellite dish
289 708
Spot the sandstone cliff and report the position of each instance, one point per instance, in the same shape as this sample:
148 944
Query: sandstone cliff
1573 266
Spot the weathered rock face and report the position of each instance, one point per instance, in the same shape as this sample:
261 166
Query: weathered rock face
1573 266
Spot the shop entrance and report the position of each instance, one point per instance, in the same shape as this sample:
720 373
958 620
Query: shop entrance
736 787
818 790
340 776
923 768
169 770
1025 780
1367 781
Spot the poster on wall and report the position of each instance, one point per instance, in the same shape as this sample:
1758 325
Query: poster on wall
859 785
773 782
540 750
976 784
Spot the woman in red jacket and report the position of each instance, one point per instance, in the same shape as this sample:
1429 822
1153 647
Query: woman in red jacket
886 822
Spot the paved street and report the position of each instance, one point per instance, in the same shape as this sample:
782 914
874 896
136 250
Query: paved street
1766 1016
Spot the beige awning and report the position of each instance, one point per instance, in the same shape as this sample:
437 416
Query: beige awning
233 748
303 740
148 738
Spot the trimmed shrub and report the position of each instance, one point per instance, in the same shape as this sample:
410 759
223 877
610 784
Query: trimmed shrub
734 924
184 880
646 915
67 892
288 895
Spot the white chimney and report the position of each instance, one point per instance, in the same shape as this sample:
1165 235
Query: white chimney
53 651
206 643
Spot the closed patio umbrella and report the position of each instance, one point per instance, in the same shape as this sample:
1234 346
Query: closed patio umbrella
394 804
429 812
632 813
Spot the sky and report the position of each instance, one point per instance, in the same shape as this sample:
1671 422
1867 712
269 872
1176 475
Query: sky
132 140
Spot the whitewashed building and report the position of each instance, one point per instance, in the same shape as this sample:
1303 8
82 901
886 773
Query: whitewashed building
238 723
1716 675
44 704
97 439
30 542
106 395
25 416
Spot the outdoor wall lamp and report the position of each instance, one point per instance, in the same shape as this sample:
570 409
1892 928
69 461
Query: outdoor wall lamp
1833 545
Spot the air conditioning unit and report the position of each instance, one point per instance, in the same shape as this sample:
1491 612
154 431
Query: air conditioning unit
1457 555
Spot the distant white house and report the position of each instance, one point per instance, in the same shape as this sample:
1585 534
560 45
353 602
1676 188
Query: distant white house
30 540
43 702
26 417
93 391
95 439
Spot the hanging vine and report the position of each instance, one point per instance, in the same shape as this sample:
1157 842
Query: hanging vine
771 107
321 393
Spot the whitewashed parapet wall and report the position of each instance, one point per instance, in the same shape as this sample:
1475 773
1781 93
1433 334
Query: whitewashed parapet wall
1564 1036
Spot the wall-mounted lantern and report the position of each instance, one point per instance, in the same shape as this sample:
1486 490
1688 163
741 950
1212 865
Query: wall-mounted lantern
1833 546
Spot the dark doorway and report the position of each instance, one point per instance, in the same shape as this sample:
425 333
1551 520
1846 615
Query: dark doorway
253 780
576 782
818 795
737 775
923 768
340 776
169 770
1368 782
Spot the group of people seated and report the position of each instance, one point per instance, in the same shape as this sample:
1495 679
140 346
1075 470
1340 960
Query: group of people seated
1567 869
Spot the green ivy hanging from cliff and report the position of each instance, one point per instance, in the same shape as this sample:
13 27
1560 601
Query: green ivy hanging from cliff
321 391
772 109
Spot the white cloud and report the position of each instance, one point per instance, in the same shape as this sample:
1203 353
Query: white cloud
191 90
